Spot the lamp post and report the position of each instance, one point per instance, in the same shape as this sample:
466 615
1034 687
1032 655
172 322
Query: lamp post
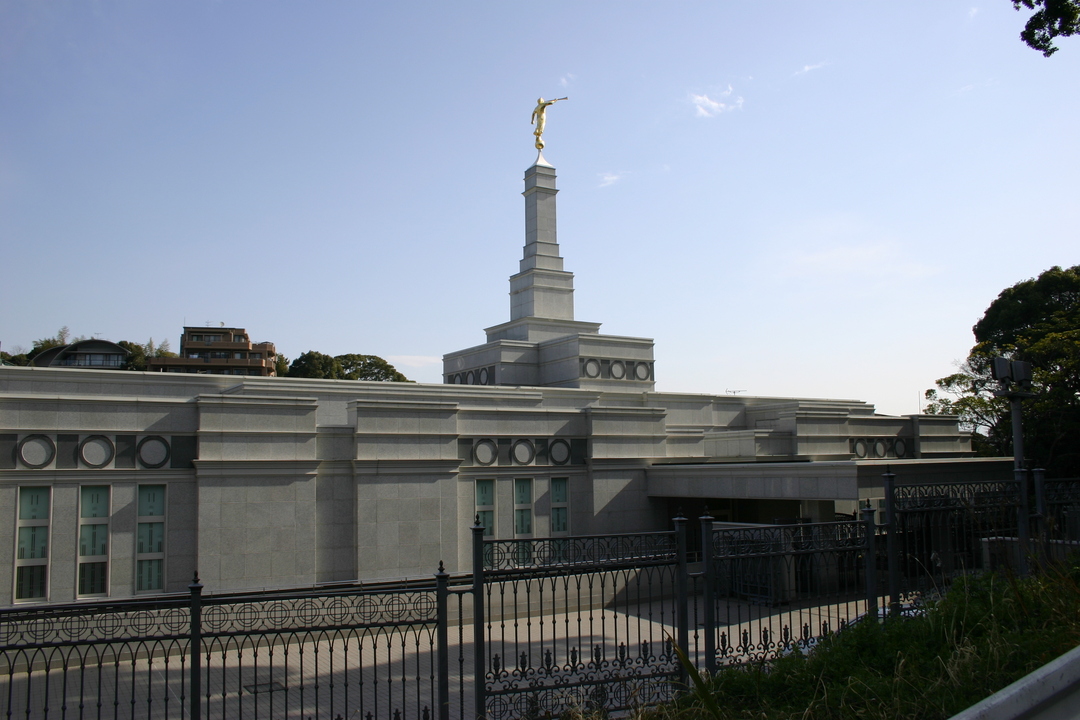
1014 377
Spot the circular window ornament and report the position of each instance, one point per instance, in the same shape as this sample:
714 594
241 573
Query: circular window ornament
559 452
880 448
470 378
483 376
36 451
859 448
153 451
592 368
96 451
900 447
618 370
485 452
523 452
641 371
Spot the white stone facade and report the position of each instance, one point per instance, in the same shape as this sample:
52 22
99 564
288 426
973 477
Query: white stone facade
549 428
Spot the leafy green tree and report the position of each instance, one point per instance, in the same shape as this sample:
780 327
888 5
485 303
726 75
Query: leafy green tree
16 358
137 360
1036 320
281 365
313 364
1051 19
368 367
62 337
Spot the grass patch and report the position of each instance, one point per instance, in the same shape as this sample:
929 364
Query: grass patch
985 633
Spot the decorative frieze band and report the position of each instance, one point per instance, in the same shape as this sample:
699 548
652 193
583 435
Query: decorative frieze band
882 447
71 451
476 376
487 452
608 369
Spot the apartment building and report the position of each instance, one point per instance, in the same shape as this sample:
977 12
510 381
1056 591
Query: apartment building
219 351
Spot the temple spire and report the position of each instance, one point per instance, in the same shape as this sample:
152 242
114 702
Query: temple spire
542 288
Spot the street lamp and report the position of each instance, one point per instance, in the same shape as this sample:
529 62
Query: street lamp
1015 379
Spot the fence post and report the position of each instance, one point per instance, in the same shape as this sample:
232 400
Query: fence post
707 594
891 540
682 619
479 651
441 602
1023 520
195 647
871 560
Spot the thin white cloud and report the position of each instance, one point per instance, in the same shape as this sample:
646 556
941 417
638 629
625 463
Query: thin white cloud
975 86
706 106
809 68
414 361
610 178
566 79
972 12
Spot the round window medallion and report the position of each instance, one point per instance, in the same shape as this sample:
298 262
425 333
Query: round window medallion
880 448
485 452
859 448
900 448
36 451
153 451
523 452
483 376
641 371
618 370
96 451
559 452
592 368
470 378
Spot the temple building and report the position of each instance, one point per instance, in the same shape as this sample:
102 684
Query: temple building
119 483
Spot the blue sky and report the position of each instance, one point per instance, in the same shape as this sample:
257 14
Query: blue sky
793 199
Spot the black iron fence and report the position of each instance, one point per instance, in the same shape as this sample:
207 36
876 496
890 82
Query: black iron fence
539 627
332 653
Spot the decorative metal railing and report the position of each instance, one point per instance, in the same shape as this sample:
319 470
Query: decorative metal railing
347 653
943 530
773 589
578 623
539 627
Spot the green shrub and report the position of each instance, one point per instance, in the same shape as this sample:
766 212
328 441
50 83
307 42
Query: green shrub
985 633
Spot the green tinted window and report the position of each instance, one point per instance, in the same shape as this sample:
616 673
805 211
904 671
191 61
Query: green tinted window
522 522
523 491
149 575
151 500
95 501
93 539
485 493
34 503
558 519
487 519
151 538
33 542
558 490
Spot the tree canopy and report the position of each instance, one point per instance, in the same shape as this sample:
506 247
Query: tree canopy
1051 19
136 360
1036 320
313 364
